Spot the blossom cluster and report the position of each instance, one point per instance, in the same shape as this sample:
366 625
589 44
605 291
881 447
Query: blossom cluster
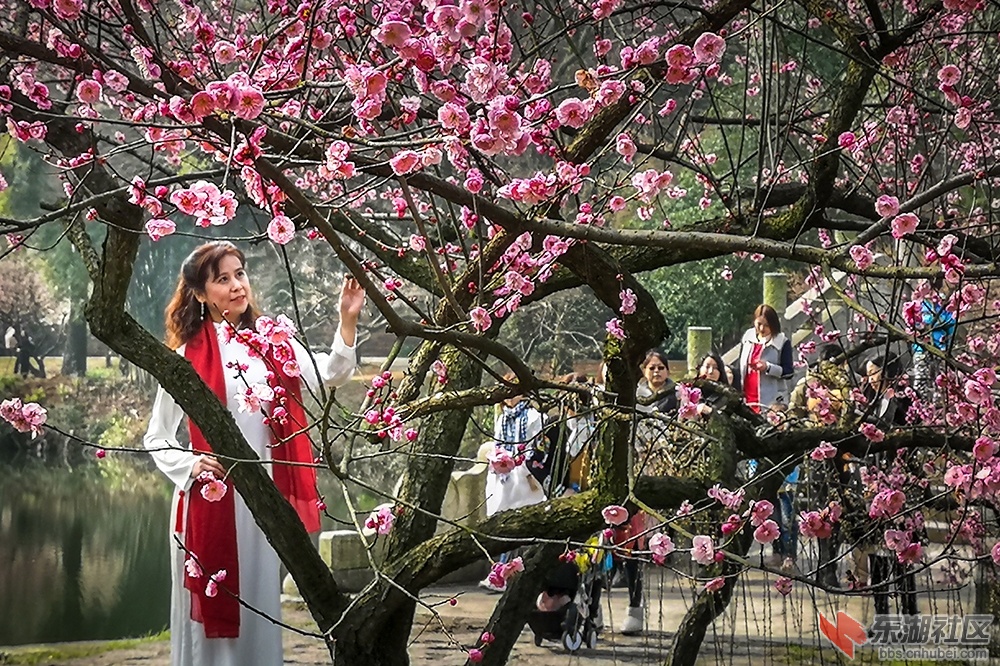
381 520
501 572
25 417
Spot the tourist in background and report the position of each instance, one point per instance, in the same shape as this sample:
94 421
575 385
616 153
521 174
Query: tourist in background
765 362
713 369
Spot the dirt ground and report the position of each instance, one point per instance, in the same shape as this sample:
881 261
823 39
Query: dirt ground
757 633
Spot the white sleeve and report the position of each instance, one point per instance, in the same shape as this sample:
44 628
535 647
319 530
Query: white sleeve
335 367
161 440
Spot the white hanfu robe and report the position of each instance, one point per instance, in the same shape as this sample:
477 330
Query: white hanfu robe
259 642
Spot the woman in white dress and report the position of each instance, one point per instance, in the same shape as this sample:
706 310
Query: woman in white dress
212 321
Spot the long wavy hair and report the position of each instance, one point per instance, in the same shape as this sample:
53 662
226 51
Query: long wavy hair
184 314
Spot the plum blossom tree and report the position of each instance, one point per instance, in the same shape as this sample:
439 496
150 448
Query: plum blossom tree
494 154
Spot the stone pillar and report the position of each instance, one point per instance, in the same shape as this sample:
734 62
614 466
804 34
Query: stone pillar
776 291
699 344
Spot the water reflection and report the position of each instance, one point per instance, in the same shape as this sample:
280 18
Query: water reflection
84 546
83 552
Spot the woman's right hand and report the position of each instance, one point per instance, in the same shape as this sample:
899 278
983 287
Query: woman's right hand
208 463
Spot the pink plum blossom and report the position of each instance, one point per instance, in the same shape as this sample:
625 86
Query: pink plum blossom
440 371
760 512
212 587
715 584
731 525
68 10
614 328
949 75
984 449
405 162
501 461
976 392
614 514
25 417
824 451
213 490
158 228
783 585
904 224
871 432
862 256
846 139
572 113
281 230
251 104
481 319
887 206
660 545
819 524
702 549
625 147
709 47
192 568
628 299
88 91
380 520
728 498
886 503
766 532
680 55
911 554
963 118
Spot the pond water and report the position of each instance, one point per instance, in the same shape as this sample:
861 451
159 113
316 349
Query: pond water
83 555
84 548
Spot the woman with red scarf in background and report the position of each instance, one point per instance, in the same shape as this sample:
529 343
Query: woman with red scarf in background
765 363
255 366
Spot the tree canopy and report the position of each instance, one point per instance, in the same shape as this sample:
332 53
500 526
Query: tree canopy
465 160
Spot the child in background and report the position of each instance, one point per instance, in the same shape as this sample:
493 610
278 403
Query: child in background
517 433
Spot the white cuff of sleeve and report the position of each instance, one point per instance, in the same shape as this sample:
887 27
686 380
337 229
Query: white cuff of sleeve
340 348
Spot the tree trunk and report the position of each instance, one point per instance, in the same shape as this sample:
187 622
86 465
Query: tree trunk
709 605
75 351
511 613
376 632
690 634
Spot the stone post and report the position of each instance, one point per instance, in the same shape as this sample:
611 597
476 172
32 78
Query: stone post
699 344
776 291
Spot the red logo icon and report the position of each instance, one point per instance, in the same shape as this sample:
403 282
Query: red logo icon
845 634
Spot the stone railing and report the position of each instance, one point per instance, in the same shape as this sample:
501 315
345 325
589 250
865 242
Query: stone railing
345 553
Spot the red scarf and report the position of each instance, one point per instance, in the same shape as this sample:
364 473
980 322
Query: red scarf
211 526
751 384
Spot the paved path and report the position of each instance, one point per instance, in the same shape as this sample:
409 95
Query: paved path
760 627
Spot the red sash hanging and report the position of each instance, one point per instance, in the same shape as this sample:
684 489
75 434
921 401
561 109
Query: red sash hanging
211 526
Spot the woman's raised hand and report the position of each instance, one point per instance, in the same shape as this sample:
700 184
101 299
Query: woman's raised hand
352 299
